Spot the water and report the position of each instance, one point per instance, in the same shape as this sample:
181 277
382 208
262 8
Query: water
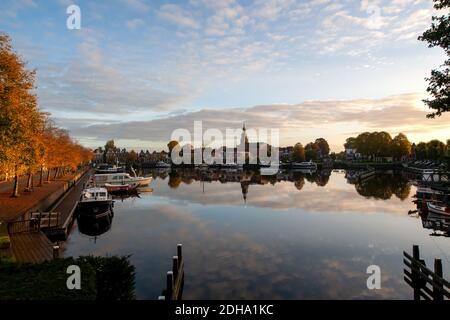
302 237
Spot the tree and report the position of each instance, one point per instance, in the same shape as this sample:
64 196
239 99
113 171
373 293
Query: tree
20 118
421 151
435 150
439 81
350 143
323 146
311 151
298 153
401 146
131 157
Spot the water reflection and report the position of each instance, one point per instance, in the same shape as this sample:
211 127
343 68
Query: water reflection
94 226
290 236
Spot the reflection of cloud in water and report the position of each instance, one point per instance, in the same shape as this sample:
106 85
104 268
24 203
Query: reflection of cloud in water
336 196
234 252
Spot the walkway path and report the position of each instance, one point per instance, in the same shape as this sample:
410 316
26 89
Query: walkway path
11 208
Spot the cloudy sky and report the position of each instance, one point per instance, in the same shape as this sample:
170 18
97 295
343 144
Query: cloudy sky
138 69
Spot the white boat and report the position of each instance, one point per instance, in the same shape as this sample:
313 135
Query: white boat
94 201
438 208
120 178
162 164
304 165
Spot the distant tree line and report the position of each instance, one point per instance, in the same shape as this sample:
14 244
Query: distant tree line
373 145
312 151
29 141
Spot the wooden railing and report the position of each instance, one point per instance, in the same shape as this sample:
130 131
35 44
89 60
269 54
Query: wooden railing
427 284
175 278
23 226
34 222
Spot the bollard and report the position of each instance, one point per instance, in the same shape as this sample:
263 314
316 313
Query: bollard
179 252
175 264
55 252
169 292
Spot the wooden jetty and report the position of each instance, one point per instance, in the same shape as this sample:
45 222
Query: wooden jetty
30 235
427 284
58 220
28 242
175 278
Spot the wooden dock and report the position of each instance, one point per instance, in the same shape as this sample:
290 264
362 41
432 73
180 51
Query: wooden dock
29 235
58 220
427 284
28 242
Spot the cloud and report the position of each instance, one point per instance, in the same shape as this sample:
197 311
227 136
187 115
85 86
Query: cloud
135 23
175 14
303 121
138 5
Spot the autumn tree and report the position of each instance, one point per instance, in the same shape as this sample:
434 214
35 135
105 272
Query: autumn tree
298 153
323 146
439 81
20 119
400 146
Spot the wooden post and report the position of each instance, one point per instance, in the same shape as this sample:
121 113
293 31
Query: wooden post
437 285
175 267
179 252
169 286
415 271
55 252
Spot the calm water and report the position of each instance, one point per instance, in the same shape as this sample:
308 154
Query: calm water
295 236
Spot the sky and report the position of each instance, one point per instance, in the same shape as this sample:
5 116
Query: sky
137 70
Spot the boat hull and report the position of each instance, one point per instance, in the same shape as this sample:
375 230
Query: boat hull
92 208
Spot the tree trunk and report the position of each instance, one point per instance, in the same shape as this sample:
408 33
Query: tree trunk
56 173
48 175
29 187
16 184
41 177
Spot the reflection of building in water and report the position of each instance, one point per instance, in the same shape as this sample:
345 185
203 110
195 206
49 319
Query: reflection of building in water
244 187
244 177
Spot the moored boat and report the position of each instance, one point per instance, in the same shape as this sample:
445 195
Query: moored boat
120 179
304 165
121 188
438 208
94 201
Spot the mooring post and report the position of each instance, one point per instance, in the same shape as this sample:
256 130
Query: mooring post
415 272
438 287
179 252
55 252
169 292
175 265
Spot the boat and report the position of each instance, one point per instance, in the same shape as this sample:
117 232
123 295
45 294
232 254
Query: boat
121 188
304 165
120 179
438 208
107 168
95 201
162 164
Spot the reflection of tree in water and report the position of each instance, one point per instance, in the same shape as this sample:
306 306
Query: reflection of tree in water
383 186
299 183
322 177
188 175
174 179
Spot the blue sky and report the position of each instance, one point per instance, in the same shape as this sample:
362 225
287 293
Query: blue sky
139 69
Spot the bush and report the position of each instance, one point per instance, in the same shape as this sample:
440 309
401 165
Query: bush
102 278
